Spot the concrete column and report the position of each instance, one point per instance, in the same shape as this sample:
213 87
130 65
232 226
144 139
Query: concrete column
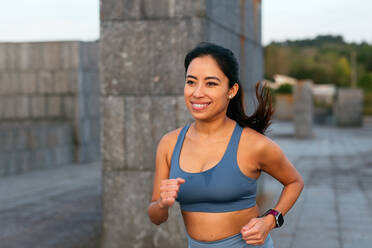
142 49
303 109
143 44
348 107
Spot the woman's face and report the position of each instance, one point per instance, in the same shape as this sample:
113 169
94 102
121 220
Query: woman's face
206 90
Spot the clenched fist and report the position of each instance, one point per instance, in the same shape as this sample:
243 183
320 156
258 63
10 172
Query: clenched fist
168 191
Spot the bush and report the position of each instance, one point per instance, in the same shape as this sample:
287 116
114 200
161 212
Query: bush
284 89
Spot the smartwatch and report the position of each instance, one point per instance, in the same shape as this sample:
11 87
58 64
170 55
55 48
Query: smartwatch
279 220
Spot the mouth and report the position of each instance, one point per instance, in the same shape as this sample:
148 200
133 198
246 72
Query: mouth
199 106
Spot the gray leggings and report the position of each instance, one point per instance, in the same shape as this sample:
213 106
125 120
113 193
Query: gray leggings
234 241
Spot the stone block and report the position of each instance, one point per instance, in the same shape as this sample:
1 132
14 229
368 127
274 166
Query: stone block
148 9
139 140
54 106
24 62
126 195
22 107
20 138
52 55
28 82
162 50
113 132
38 106
303 109
8 140
142 129
89 55
3 56
93 106
12 56
34 139
45 82
70 55
348 107
85 131
73 81
95 130
5 83
9 107
95 84
52 136
66 134
68 107
183 114
61 82
36 56
164 118
2 108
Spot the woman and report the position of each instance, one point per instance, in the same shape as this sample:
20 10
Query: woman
211 166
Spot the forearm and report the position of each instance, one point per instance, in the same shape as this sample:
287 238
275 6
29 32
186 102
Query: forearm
289 195
157 215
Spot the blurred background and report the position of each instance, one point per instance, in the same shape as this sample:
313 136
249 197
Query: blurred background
88 88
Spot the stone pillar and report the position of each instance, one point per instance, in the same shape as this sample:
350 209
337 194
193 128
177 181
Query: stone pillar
348 107
142 49
303 109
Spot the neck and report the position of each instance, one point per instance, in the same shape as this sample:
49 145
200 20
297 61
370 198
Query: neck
207 129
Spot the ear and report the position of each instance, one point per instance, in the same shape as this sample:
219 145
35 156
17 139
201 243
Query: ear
233 90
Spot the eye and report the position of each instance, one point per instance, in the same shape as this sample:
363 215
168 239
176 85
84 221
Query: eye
211 83
189 82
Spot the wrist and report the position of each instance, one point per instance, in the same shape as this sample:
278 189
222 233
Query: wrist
278 217
271 220
158 202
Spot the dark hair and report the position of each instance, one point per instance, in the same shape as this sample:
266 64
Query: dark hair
260 120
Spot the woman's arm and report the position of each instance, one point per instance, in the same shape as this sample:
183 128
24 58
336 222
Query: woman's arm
157 213
272 160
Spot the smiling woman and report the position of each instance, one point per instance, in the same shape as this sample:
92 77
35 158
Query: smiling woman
212 165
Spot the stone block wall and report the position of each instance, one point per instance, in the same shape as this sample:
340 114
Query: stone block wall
47 85
237 25
348 107
142 48
34 145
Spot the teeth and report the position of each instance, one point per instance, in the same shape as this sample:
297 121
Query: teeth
200 105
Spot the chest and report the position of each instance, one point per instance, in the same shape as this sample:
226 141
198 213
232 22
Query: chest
200 156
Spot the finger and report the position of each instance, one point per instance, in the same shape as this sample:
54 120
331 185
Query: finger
168 194
255 242
170 181
170 201
252 233
180 180
169 187
250 224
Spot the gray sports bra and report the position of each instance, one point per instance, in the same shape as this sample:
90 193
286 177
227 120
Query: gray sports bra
222 188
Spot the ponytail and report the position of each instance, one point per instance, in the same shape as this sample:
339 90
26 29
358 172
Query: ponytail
260 120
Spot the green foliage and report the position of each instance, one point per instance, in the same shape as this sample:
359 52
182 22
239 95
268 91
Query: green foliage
324 59
367 105
284 89
365 82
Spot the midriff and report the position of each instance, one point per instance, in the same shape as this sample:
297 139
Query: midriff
205 226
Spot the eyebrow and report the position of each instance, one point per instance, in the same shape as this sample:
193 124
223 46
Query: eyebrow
206 78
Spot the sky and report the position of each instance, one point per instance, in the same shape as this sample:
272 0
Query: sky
49 20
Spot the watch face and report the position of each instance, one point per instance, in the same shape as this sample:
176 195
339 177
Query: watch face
280 220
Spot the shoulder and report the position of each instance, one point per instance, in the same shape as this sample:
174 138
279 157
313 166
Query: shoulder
259 145
167 143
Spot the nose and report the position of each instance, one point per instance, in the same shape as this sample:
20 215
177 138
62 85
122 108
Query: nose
199 91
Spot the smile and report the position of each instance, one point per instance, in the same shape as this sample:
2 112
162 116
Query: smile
199 106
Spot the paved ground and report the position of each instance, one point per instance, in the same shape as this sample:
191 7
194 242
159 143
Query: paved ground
334 209
56 208
62 207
